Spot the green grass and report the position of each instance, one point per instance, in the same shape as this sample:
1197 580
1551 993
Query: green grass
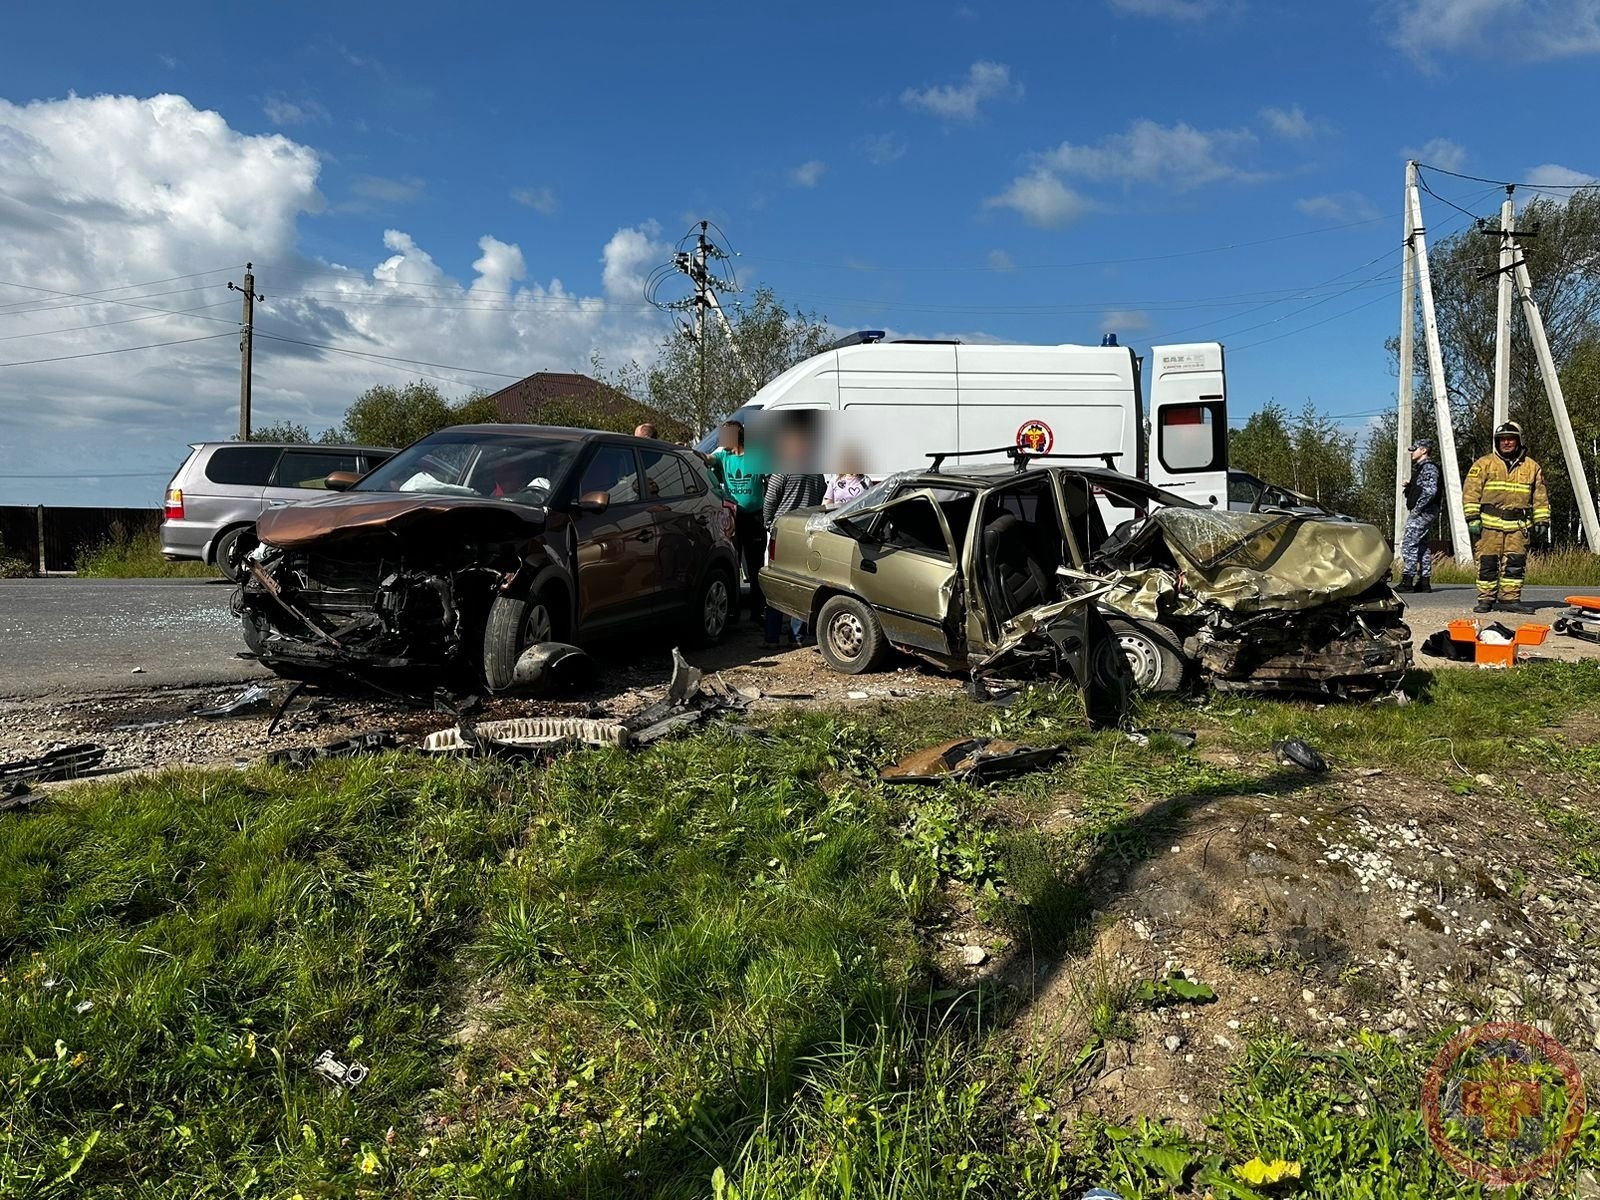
137 556
1569 567
13 566
697 970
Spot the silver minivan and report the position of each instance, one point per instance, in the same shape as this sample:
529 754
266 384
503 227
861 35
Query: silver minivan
214 499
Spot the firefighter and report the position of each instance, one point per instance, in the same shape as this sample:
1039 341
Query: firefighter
1423 497
1503 499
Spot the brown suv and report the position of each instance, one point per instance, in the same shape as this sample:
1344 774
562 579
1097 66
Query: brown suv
477 542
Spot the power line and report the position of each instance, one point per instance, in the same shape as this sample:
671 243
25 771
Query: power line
134 303
179 312
29 362
121 287
276 337
1504 183
1291 332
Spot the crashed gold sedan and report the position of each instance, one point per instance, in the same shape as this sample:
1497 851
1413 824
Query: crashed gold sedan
983 568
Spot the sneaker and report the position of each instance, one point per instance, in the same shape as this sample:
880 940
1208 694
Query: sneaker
1483 606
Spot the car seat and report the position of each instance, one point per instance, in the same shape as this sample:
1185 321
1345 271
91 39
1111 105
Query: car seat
1017 580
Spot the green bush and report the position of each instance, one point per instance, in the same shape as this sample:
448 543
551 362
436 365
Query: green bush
136 556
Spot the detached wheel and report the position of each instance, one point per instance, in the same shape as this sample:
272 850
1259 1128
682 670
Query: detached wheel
850 637
712 611
514 624
1152 654
231 549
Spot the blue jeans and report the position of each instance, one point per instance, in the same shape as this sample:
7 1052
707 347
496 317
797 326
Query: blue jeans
775 620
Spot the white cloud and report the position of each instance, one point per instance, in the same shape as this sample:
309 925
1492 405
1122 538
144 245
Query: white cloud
1438 152
1176 156
1338 207
999 260
961 102
294 112
629 257
808 174
1291 124
1125 320
1561 180
1530 30
114 190
1042 199
1179 10
881 148
381 190
541 199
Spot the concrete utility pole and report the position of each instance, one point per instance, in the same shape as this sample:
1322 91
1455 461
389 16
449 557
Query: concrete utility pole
1502 337
1459 537
1558 402
702 284
1408 316
246 341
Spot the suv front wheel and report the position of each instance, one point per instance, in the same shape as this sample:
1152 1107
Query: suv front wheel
514 624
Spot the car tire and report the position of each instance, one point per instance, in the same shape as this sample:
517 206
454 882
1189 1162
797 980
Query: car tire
715 608
850 636
231 549
514 624
1154 657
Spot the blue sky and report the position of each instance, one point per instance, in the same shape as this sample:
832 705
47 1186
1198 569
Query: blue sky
487 189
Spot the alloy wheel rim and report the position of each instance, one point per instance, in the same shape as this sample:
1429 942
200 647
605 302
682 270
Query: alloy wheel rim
717 605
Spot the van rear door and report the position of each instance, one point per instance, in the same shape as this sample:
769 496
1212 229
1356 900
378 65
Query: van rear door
1189 422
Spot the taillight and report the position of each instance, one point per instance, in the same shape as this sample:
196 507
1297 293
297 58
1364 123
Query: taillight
772 547
174 507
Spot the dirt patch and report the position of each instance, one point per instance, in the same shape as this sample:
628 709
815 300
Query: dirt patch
1326 907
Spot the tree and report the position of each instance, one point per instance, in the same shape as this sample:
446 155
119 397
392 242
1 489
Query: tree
1264 446
1562 250
695 386
281 431
1324 460
388 416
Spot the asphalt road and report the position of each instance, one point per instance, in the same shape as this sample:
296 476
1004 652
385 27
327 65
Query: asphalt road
72 636
77 636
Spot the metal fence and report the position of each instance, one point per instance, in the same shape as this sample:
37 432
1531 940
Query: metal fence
50 538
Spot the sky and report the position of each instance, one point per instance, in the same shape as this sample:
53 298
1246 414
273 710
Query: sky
485 191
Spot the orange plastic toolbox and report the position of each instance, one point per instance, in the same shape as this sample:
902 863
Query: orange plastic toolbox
1490 655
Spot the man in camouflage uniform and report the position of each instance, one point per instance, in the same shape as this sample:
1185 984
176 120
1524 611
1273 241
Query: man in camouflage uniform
1504 498
1423 498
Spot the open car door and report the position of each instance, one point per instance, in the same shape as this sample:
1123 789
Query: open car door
905 566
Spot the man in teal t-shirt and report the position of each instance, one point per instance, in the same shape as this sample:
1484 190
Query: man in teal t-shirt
744 479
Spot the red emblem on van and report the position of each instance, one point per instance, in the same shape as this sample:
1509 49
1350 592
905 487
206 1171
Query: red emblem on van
1035 437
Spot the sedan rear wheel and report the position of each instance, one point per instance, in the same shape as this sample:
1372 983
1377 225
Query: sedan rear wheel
850 636
1152 655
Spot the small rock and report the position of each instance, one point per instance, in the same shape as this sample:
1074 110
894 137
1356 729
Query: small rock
1172 1042
855 696
137 671
973 956
1307 995
1233 1024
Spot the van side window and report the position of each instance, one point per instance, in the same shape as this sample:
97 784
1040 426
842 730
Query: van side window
309 468
243 465
1192 437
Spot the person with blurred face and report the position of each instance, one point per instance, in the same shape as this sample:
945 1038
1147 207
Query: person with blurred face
743 477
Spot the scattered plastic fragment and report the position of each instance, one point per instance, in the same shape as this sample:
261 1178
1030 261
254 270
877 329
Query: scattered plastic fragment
973 759
299 758
67 762
252 697
341 1075
1292 752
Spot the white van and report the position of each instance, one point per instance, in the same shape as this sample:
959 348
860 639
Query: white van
899 402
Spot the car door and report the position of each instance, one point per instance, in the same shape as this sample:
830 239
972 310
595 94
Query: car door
676 502
617 558
230 491
904 564
302 472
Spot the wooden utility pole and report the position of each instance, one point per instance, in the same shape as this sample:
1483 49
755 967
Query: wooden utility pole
246 341
1445 427
1408 316
1502 336
1558 401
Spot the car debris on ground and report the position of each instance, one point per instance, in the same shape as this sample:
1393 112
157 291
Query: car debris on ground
65 762
252 697
1295 752
972 760
342 1076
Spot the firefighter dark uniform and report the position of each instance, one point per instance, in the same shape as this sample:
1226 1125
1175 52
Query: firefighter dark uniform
1503 499
1424 495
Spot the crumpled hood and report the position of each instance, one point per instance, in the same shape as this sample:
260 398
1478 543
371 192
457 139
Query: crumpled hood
1252 562
357 514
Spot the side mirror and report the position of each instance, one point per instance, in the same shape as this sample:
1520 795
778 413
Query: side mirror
340 481
594 502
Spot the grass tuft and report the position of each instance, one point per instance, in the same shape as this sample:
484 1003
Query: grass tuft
137 556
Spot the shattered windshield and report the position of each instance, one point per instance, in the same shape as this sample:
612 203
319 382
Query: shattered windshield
517 468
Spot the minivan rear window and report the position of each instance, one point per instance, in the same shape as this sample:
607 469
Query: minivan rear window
242 465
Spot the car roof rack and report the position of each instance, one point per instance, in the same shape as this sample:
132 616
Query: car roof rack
1020 457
